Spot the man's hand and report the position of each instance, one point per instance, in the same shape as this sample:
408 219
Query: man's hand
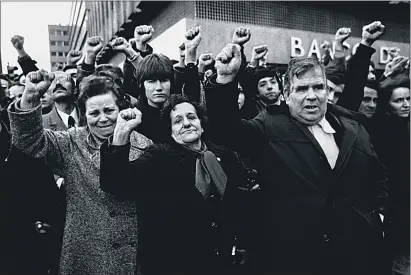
228 62
341 35
73 57
92 48
371 32
398 65
37 83
143 34
206 59
127 121
393 52
182 50
241 36
120 44
193 38
257 54
18 42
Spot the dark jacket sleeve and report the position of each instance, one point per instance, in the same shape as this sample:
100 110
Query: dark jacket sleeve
225 124
119 176
130 82
192 84
27 64
84 70
356 78
179 80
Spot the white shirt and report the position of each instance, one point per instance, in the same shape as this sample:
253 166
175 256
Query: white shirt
324 134
65 117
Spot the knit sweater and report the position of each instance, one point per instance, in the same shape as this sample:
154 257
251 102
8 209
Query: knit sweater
100 234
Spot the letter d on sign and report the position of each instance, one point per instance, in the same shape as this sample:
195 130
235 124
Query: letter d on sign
296 47
384 56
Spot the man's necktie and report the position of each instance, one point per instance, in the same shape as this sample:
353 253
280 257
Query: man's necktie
71 122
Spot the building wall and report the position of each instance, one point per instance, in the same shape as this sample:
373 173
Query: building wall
59 45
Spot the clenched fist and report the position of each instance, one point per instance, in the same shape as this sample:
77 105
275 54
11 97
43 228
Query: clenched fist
193 38
120 44
93 46
143 34
206 59
398 65
18 42
258 53
73 57
37 83
241 36
342 35
127 121
371 32
228 62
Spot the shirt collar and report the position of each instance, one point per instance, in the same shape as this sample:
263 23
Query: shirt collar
325 125
65 116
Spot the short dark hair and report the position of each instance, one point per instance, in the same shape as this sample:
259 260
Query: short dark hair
298 67
93 85
112 71
172 102
153 67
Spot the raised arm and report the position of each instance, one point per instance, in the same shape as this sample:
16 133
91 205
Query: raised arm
226 126
26 123
26 63
357 72
92 47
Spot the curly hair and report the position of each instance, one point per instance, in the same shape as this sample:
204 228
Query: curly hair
93 85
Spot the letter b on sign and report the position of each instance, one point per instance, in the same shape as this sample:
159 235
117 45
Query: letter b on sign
296 47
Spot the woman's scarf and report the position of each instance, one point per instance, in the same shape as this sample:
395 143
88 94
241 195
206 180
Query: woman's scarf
209 175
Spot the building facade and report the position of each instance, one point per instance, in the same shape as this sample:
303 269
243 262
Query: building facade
59 45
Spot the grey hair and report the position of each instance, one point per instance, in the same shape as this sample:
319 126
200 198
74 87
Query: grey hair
298 67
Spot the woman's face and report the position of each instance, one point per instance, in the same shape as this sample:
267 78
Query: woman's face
399 102
157 91
101 114
185 124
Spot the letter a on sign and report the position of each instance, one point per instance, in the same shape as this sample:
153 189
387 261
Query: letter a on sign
296 47
314 49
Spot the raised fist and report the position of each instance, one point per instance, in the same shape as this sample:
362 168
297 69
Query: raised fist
371 32
37 83
259 52
94 45
393 52
206 59
398 65
193 38
18 42
73 57
342 34
120 44
182 50
143 34
127 121
228 61
241 36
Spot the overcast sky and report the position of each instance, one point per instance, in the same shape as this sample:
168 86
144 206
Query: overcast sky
30 20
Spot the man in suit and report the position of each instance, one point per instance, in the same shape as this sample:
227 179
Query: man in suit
321 180
65 113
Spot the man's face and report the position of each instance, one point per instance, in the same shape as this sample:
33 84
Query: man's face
307 99
268 90
61 87
369 102
157 91
335 91
72 73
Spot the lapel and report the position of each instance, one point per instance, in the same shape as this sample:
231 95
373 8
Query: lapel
347 135
55 121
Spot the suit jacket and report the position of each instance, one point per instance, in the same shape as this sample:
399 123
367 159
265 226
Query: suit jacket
325 219
54 122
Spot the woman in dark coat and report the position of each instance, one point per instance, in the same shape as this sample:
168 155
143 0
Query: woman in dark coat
186 192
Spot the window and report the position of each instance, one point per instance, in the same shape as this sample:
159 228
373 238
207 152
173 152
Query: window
53 43
53 53
53 64
66 43
65 32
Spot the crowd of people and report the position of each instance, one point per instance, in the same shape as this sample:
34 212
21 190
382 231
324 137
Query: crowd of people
206 165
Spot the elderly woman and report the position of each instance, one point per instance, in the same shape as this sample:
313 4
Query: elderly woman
185 191
100 234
